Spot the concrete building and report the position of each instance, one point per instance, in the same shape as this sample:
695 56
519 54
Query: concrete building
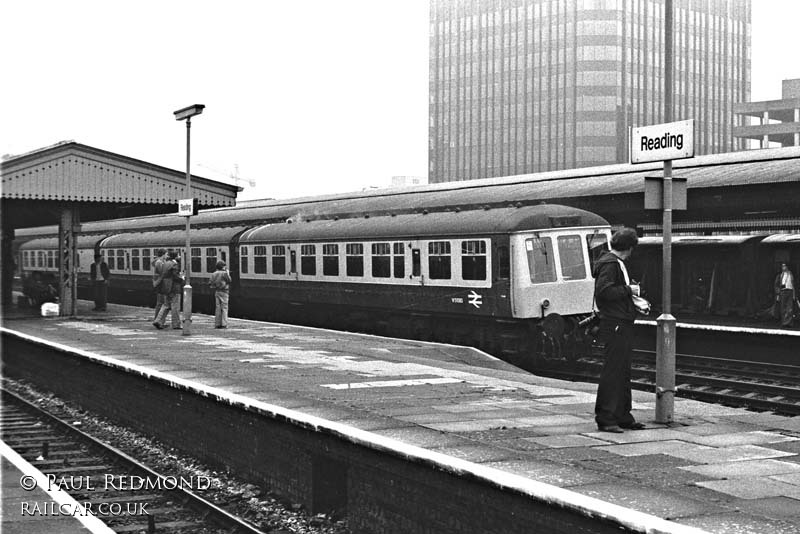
522 86
779 119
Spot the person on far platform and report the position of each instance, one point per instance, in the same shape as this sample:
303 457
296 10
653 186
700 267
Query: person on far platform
100 274
785 295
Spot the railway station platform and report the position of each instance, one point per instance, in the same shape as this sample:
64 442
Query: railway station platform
451 410
30 507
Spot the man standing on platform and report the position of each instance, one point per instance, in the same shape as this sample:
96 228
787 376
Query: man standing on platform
99 274
158 276
784 295
617 313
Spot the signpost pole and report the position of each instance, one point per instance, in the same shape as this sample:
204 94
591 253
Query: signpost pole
186 114
665 338
187 265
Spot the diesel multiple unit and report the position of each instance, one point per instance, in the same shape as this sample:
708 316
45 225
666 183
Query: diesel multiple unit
512 280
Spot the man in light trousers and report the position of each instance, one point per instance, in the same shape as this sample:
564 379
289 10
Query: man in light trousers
221 283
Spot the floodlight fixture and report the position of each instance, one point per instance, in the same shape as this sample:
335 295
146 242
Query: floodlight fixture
188 112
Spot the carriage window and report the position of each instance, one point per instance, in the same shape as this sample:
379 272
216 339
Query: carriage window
145 259
473 260
399 260
570 252
540 259
135 259
243 266
597 244
330 260
50 259
381 260
197 259
41 259
260 259
308 259
110 259
354 259
439 260
211 260
120 260
278 259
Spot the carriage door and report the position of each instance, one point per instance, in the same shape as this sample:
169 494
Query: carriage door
416 262
293 262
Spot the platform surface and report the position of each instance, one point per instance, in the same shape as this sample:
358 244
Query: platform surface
720 469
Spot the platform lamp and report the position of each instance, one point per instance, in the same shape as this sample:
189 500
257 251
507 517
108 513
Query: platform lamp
186 207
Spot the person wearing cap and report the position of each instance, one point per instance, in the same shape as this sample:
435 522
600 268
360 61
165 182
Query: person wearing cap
220 282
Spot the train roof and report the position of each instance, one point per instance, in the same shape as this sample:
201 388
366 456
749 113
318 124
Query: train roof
173 238
452 223
782 239
83 241
700 240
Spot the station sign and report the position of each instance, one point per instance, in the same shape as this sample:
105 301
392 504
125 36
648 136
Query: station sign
662 142
187 207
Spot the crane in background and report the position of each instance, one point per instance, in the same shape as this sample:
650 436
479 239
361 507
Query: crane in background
233 176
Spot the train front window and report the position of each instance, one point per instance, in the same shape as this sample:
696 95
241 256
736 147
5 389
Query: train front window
596 243
541 262
570 253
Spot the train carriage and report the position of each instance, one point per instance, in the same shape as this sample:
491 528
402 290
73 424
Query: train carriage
130 257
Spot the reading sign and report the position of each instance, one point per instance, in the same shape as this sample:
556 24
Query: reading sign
187 207
661 142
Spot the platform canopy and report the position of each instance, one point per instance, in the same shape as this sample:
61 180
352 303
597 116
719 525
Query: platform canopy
101 184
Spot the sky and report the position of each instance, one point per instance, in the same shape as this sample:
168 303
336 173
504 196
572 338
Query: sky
303 98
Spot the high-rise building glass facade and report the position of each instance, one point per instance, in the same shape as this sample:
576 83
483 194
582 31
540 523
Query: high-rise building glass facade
522 86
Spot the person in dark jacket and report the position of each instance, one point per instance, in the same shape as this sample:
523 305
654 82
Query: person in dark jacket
785 295
99 274
171 286
617 313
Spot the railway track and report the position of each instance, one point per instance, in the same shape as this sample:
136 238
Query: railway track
755 385
125 494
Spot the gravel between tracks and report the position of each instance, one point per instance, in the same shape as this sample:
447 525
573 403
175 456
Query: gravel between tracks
267 511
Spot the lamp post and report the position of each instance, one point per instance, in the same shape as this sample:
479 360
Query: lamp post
186 114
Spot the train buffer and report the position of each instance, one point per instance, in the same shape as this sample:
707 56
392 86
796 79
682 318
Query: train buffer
493 428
